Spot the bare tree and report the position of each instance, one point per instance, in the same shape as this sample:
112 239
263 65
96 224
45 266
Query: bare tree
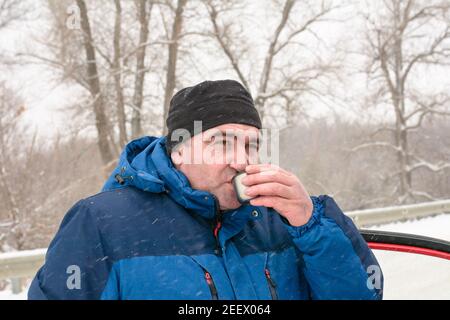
404 37
172 57
10 111
109 78
117 67
144 18
101 121
280 78
10 11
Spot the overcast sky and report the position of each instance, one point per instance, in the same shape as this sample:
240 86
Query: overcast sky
44 97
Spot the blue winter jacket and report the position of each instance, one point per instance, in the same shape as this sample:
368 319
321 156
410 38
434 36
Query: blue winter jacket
149 235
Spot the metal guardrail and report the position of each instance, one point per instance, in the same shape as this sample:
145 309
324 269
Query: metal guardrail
20 264
370 217
24 264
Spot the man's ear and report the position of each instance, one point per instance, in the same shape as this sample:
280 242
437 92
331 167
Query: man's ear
180 154
177 156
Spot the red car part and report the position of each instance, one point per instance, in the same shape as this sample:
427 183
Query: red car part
410 243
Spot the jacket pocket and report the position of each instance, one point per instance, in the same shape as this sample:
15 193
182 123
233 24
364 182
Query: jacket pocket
272 285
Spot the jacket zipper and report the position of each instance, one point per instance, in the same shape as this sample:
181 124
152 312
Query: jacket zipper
272 285
217 225
211 285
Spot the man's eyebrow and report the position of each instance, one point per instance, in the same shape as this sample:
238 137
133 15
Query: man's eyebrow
252 137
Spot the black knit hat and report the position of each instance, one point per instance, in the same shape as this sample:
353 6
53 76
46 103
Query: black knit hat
212 102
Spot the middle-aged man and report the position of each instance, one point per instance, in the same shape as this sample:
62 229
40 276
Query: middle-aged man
166 226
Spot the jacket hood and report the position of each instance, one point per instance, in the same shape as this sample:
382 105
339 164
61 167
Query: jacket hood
145 164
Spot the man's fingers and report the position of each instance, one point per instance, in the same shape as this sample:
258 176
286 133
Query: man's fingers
266 169
254 168
265 201
258 178
270 189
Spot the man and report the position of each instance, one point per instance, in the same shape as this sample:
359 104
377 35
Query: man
168 227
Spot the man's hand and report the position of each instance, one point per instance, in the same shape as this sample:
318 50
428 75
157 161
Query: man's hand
279 189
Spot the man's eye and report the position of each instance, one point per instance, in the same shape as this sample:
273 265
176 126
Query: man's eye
223 143
219 142
229 145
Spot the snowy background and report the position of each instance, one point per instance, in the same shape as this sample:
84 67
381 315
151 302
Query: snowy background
358 90
412 276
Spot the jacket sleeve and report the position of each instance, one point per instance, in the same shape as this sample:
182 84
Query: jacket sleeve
337 263
75 265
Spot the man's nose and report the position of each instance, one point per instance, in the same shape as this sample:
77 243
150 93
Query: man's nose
239 164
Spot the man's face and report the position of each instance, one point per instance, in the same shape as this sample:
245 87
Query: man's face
211 159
